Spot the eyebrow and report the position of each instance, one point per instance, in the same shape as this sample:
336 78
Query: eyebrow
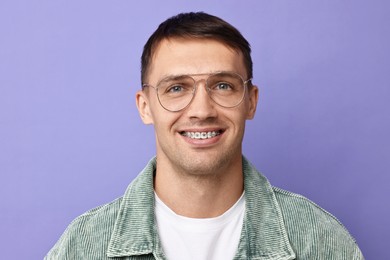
174 77
180 76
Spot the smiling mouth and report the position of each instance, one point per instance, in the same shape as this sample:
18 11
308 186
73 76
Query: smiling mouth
201 135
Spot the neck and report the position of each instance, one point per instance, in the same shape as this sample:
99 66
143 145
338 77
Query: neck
199 195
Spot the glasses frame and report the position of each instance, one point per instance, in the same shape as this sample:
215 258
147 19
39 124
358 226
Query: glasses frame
245 83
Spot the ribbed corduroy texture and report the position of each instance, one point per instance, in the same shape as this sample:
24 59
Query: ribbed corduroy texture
278 225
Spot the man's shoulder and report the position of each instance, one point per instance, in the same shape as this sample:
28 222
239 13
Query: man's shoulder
310 227
89 235
297 206
98 217
97 223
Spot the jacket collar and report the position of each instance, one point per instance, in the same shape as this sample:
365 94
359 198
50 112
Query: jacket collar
263 236
264 232
135 231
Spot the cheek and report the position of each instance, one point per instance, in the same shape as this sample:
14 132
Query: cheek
237 118
157 112
163 120
240 120
246 110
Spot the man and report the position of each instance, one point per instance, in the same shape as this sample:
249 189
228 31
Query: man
200 198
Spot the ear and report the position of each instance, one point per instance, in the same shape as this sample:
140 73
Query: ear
142 102
253 95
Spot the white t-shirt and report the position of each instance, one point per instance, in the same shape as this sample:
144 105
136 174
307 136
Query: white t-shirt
200 238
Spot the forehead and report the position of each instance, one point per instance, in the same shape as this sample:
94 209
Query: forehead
179 56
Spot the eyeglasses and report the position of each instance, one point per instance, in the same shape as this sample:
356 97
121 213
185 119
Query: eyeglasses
175 93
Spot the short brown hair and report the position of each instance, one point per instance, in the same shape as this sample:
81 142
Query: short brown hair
196 25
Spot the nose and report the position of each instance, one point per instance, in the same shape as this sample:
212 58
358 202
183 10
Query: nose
201 106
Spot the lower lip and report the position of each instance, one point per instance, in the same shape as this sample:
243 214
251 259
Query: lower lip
202 142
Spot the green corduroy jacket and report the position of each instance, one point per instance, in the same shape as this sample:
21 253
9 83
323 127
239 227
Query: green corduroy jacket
278 225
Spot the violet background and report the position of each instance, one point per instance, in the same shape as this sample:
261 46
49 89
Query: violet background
71 138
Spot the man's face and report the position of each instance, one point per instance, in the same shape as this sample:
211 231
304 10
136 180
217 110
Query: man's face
175 149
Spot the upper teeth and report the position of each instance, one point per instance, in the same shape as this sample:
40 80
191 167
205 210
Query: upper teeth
201 135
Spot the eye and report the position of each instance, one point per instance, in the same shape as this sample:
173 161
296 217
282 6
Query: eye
223 86
175 89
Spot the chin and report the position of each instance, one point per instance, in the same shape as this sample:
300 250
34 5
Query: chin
205 166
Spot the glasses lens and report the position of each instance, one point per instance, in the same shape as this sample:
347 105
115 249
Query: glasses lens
175 93
226 89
